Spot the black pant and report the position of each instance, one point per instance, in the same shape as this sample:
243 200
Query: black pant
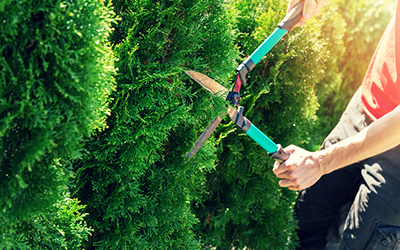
357 207
322 208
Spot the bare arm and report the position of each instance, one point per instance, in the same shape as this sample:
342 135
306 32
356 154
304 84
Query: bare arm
303 169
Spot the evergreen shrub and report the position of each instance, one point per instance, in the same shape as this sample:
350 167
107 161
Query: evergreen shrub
60 226
134 180
55 77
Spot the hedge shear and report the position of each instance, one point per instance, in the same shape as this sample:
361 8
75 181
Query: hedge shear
233 96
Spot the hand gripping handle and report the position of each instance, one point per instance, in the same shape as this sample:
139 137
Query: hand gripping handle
280 155
292 18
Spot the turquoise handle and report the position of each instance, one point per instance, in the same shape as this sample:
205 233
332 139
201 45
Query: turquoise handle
287 24
267 45
262 139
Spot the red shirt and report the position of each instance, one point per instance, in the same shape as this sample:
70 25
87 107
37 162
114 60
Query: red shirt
380 87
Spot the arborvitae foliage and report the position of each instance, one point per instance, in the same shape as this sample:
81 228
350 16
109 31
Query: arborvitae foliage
244 207
55 78
61 226
133 180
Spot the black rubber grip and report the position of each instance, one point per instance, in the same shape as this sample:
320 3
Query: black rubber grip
292 18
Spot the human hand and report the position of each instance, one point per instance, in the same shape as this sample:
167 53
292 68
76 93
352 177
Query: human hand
310 8
300 171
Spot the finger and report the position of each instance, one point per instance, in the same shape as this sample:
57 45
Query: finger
283 183
290 151
287 175
321 3
289 184
294 188
280 168
301 24
309 9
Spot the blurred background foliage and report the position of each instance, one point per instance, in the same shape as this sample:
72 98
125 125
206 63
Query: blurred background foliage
96 115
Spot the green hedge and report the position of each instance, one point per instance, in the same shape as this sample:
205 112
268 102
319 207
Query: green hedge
56 73
136 189
60 226
134 182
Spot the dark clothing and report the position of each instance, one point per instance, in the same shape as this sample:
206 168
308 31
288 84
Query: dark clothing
357 207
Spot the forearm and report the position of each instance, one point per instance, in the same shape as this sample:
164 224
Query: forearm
379 137
303 169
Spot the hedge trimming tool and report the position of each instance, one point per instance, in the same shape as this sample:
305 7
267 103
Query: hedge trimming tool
274 150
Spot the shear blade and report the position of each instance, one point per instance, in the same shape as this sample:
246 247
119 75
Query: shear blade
218 90
208 83
204 136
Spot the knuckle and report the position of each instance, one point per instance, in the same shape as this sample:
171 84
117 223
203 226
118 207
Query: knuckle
290 167
290 175
296 183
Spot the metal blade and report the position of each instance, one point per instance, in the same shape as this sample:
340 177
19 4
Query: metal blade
204 136
216 89
208 83
209 130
